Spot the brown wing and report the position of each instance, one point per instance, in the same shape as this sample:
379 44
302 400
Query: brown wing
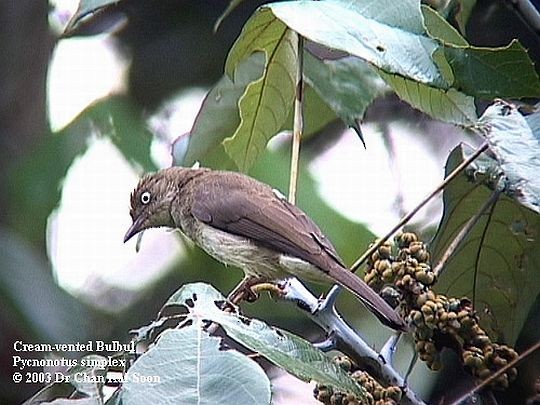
246 207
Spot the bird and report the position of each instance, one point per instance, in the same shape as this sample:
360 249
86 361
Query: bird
243 222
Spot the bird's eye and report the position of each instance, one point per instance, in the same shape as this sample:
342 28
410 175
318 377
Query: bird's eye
146 197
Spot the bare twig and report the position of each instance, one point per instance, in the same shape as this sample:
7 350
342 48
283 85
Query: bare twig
298 124
413 212
464 232
495 375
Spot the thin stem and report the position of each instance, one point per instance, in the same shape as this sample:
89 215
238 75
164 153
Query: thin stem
413 212
437 270
298 124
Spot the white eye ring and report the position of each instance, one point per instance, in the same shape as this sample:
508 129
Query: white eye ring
146 197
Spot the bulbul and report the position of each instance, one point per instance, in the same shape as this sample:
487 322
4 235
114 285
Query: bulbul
243 222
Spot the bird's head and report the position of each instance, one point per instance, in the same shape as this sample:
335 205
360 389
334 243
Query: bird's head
151 202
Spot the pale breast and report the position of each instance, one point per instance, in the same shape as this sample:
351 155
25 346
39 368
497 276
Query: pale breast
240 252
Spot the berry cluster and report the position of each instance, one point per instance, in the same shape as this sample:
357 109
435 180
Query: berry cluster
376 394
438 321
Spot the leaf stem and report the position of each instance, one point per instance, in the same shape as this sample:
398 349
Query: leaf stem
437 270
413 212
298 123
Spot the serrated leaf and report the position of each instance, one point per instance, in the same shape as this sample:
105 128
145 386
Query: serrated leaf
388 34
265 105
497 264
517 149
444 105
348 85
219 115
188 366
292 353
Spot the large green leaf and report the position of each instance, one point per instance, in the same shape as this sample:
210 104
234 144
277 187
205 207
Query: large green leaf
219 115
188 366
265 105
348 85
317 114
493 72
292 353
449 105
388 34
497 264
417 52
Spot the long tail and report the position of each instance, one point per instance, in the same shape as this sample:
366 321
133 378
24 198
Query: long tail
379 307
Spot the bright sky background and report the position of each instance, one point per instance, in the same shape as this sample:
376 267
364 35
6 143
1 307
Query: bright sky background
86 232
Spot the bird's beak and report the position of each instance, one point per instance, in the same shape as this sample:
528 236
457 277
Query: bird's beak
136 227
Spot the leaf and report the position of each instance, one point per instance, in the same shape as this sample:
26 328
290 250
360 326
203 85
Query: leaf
493 72
444 105
290 352
93 17
438 28
388 34
317 114
517 148
189 366
392 37
265 105
219 115
348 85
497 264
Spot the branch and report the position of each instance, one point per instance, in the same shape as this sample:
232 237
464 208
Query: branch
343 337
413 212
